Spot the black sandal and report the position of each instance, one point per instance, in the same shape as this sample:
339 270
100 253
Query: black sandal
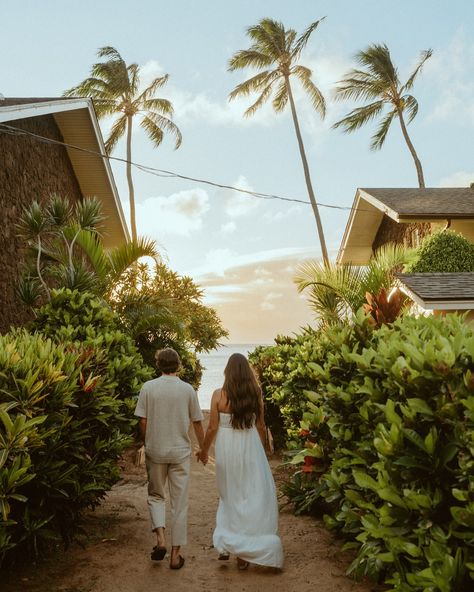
158 553
224 557
179 565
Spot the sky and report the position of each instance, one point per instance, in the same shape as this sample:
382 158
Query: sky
245 252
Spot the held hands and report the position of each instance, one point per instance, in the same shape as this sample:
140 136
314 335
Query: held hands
202 456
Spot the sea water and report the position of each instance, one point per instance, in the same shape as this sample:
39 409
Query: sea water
214 363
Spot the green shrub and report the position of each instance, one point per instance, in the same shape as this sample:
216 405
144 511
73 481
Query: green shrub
61 433
84 319
281 369
388 449
443 252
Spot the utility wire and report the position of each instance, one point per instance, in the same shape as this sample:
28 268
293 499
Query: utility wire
16 131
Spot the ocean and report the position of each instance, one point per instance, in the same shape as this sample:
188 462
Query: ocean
214 364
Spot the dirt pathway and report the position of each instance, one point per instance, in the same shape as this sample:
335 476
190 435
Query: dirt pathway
115 557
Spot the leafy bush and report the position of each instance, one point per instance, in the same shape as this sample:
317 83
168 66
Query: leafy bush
61 432
388 448
283 376
86 320
443 252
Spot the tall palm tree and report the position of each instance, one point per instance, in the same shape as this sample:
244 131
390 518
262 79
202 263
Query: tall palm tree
275 51
336 292
116 90
378 83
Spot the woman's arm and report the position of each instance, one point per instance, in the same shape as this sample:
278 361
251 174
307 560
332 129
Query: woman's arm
211 428
261 427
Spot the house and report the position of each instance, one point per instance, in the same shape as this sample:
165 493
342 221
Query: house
32 166
403 216
439 293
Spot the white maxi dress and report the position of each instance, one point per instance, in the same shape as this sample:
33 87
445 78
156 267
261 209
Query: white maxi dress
247 516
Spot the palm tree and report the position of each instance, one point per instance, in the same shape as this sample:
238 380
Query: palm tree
65 250
378 83
275 51
115 88
336 292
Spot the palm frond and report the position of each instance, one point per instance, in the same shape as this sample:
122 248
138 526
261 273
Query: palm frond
118 130
249 58
304 38
410 104
253 84
376 58
156 125
161 106
270 36
91 246
360 85
126 255
150 90
317 99
262 99
425 55
379 137
359 116
280 98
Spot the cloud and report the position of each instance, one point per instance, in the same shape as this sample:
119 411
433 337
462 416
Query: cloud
228 227
257 298
458 179
267 303
178 214
238 204
451 73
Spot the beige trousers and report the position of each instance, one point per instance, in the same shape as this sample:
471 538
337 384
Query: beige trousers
177 476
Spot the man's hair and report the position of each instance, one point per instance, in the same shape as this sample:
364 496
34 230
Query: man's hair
167 360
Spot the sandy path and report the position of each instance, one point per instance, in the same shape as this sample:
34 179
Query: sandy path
115 557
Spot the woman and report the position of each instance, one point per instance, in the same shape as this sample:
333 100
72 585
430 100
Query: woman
247 516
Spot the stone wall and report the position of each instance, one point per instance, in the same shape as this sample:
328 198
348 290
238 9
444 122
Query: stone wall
408 235
29 170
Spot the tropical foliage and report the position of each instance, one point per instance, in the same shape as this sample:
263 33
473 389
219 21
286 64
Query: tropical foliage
116 90
443 252
386 446
64 250
275 52
377 82
336 292
63 425
159 308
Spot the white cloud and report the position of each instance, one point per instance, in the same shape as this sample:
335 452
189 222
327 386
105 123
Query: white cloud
238 204
178 214
268 301
451 72
228 227
458 179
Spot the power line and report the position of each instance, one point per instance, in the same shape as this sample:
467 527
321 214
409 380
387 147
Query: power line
16 131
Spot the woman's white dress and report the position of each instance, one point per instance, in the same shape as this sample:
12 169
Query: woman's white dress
247 516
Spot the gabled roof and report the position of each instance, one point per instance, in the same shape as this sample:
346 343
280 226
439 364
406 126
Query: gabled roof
77 122
404 205
439 291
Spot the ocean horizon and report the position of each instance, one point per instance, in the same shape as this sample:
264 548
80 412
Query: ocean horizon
213 368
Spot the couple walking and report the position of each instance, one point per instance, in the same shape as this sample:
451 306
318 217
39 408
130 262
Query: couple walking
247 516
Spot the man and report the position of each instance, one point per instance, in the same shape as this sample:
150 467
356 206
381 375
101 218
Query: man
166 406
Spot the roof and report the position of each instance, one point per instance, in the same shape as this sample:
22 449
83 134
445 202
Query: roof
439 291
404 205
77 122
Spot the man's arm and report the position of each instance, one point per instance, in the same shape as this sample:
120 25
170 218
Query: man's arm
199 431
142 428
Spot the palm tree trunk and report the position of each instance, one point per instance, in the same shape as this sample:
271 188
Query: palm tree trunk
419 169
307 176
131 191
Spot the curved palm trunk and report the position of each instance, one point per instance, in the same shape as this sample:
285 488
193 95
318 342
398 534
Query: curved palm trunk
307 176
131 191
419 169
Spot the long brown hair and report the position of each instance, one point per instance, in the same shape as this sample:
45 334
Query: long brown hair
242 391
